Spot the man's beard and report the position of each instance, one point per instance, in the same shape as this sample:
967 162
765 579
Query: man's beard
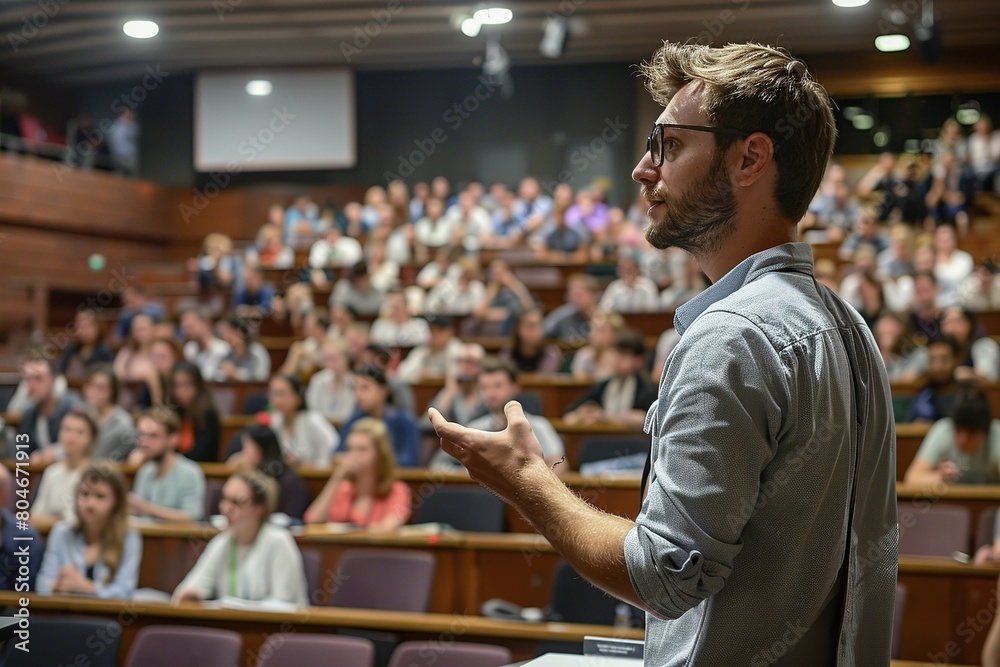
697 221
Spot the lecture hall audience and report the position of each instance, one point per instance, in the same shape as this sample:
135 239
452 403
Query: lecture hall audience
902 245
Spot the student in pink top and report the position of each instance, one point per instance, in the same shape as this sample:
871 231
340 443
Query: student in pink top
363 489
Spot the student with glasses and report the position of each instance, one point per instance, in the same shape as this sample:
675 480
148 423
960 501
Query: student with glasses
251 559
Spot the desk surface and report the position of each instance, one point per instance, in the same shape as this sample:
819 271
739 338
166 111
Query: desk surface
325 617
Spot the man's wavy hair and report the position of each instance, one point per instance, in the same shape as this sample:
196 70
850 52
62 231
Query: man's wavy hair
758 89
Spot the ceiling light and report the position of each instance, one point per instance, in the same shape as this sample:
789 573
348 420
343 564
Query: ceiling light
892 43
968 113
863 121
850 3
471 27
851 112
141 29
493 15
259 87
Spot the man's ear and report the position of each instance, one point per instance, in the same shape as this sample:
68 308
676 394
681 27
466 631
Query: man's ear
756 154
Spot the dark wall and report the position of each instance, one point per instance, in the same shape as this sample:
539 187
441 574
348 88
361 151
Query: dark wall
903 119
408 125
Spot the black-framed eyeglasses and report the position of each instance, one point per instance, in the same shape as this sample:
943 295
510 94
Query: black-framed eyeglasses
654 143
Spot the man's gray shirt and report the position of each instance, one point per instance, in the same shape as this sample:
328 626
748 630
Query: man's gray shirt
774 386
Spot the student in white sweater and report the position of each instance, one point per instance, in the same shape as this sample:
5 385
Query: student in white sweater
56 495
251 559
306 436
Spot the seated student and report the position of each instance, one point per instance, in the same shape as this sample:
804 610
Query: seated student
357 291
596 360
433 358
202 347
191 400
623 398
396 328
961 449
115 426
215 267
251 559
571 321
40 422
164 353
133 361
54 499
11 550
87 347
400 393
306 436
334 251
262 451
362 489
459 400
528 349
248 360
371 395
115 435
167 485
901 364
631 292
100 554
330 390
304 355
498 385
979 356
934 401
253 296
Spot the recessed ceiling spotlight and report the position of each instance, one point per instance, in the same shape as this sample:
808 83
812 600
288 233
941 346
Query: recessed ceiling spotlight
493 15
141 29
892 43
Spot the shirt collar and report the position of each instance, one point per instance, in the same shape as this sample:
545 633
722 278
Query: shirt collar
786 257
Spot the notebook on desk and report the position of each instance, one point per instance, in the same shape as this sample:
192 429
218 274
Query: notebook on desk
568 660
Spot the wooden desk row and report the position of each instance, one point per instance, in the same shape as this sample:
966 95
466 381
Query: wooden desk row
946 601
256 626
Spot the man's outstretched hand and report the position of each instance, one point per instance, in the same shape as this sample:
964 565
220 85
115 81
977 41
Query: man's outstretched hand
497 460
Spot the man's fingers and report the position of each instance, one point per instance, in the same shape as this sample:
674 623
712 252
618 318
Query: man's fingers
516 421
456 434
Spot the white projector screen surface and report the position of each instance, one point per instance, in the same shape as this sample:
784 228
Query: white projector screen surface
306 122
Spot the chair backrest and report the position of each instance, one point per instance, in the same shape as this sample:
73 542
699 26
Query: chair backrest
932 530
603 448
897 620
213 496
532 402
986 528
172 645
470 509
445 654
576 600
224 399
307 649
312 564
64 640
379 579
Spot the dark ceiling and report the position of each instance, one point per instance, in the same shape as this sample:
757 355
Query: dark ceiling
81 41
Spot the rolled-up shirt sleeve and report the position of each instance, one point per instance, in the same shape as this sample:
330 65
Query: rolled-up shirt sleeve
713 427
